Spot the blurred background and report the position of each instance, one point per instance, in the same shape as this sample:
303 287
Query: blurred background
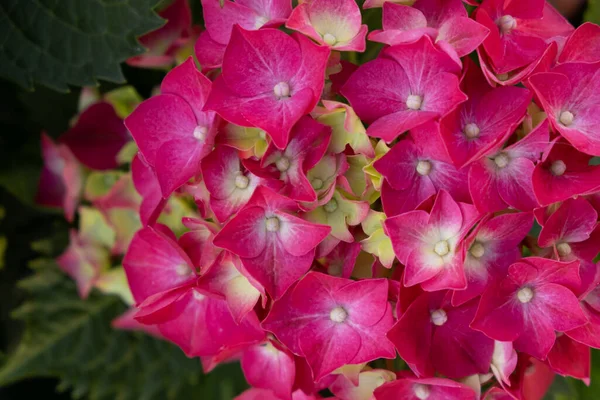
23 115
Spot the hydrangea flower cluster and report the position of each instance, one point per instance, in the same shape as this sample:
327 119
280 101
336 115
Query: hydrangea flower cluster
435 207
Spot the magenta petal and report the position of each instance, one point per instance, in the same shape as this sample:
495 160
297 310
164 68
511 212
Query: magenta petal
357 295
155 263
499 315
515 186
208 51
574 221
483 187
583 45
404 231
245 234
463 34
414 389
268 366
570 358
178 160
401 17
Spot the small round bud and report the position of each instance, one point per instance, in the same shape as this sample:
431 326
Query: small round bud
421 391
502 77
525 295
183 270
442 248
241 181
200 132
507 23
331 206
317 184
477 250
439 317
563 249
282 89
329 39
423 167
283 164
566 118
501 160
414 102
471 131
272 224
338 315
558 168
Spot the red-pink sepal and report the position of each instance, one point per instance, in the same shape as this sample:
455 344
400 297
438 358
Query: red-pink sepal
270 366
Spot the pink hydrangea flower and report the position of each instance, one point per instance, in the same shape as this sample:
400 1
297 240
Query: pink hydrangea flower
583 45
533 301
146 184
221 16
417 168
171 129
407 86
426 388
482 124
519 31
344 323
570 358
276 247
286 83
60 183
564 173
490 249
505 178
428 244
434 336
270 366
333 23
570 96
446 22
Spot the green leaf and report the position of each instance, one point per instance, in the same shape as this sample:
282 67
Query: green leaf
73 340
593 11
71 42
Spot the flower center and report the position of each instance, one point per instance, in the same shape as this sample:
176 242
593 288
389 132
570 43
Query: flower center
317 183
477 250
283 164
501 160
439 317
566 118
200 132
183 270
262 134
441 248
331 206
272 224
414 102
507 23
502 77
281 90
329 39
198 296
421 391
471 131
423 167
241 181
563 249
338 315
525 295
558 167
260 21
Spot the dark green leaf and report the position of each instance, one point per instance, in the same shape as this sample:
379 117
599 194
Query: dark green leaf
71 42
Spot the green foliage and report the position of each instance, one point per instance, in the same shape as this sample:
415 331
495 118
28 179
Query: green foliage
592 13
71 42
73 340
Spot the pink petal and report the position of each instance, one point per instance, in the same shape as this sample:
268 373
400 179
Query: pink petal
209 52
574 221
463 34
583 45
268 366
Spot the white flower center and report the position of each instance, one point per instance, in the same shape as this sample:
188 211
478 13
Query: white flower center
477 250
281 90
442 248
471 131
525 295
507 23
414 102
501 160
566 118
272 224
317 183
439 317
423 167
260 21
338 315
563 249
421 391
329 39
200 132
199 296
183 270
241 181
331 206
558 167
283 164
